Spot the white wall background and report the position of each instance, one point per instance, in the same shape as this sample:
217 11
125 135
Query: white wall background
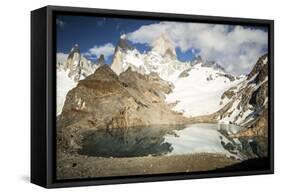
15 94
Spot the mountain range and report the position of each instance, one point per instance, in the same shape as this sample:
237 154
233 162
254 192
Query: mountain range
140 89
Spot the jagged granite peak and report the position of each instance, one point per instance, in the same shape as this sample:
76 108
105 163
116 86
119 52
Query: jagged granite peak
117 62
77 66
163 46
74 49
100 60
206 63
126 56
260 70
214 65
198 59
74 57
123 44
161 59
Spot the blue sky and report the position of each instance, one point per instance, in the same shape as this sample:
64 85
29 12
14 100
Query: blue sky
89 31
236 48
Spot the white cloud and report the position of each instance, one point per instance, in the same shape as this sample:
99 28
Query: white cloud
106 49
236 47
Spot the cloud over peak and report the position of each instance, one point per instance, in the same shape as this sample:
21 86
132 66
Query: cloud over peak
106 49
236 47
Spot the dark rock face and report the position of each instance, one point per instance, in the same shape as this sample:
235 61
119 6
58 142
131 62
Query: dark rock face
123 45
105 101
213 65
75 49
252 96
259 96
228 76
260 69
229 93
252 93
185 73
196 60
101 60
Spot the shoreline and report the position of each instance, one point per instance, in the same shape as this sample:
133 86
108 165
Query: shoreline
71 166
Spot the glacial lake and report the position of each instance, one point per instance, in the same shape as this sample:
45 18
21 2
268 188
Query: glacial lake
163 140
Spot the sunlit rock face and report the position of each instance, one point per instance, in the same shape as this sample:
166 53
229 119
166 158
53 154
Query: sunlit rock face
164 47
106 101
79 67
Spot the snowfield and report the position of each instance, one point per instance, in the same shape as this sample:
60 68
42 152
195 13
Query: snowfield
166 68
64 85
239 116
200 92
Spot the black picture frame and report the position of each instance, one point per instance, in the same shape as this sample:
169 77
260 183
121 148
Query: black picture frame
43 92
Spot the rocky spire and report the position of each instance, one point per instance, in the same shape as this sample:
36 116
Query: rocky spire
73 59
77 65
260 69
120 50
123 44
101 60
196 60
74 49
164 47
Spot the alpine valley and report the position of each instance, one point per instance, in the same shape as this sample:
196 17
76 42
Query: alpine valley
151 113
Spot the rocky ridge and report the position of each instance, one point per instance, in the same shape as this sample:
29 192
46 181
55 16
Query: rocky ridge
107 101
76 65
162 58
249 99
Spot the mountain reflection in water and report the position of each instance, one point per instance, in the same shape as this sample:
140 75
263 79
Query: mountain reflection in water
160 140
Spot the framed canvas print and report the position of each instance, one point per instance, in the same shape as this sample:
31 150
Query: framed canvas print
125 96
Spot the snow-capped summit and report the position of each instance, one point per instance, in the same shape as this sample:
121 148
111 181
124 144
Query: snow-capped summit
162 59
204 84
123 44
166 68
79 67
125 56
163 46
214 65
73 58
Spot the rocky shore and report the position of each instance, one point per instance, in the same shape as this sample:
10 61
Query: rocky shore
71 166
